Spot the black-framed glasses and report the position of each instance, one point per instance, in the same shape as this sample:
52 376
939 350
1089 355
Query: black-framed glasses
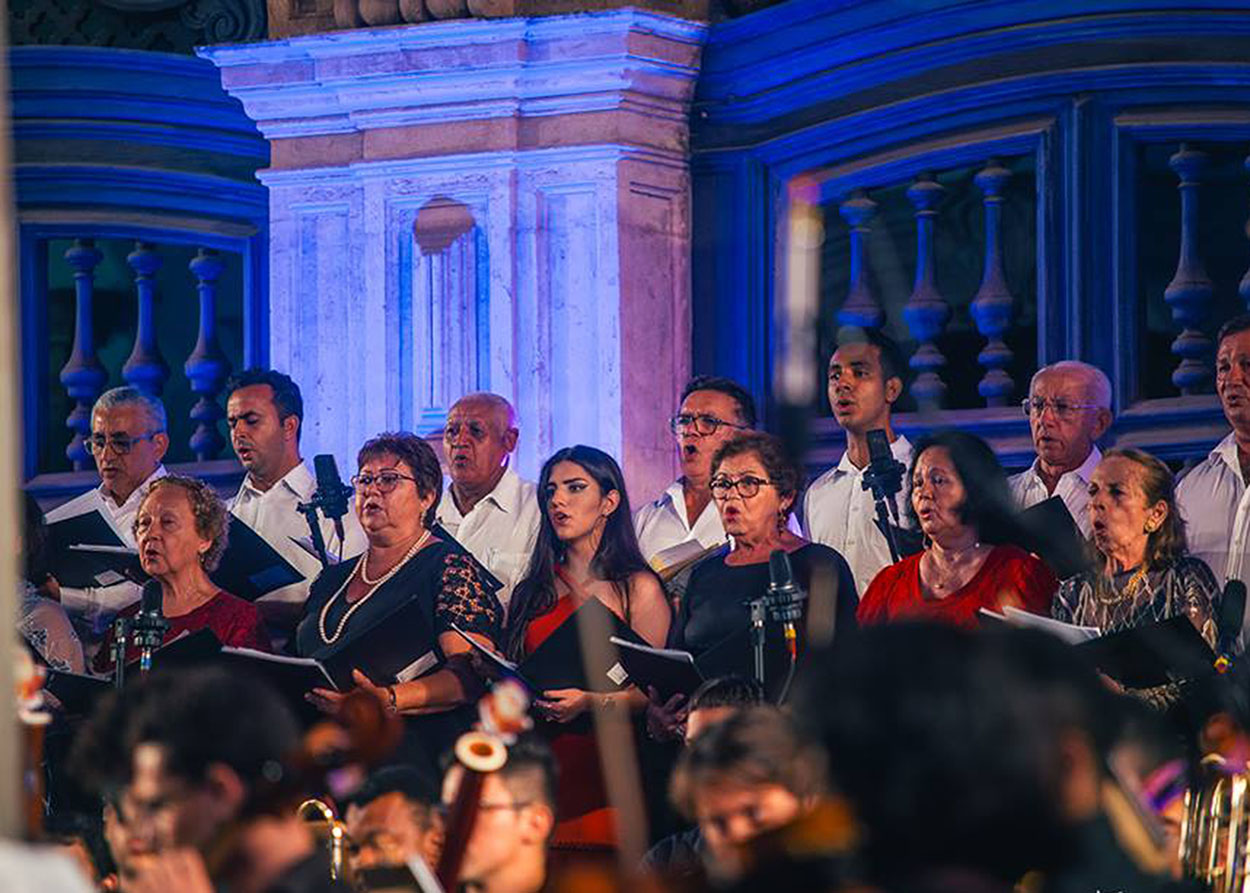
702 424
1035 406
386 480
747 486
119 443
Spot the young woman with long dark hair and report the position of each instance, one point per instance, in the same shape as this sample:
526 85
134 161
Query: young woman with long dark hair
586 549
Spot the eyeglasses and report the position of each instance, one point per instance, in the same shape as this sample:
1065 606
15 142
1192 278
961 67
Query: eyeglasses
444 809
1035 406
118 443
703 425
386 481
746 486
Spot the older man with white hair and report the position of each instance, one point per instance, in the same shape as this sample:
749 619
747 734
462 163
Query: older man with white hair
1069 408
128 440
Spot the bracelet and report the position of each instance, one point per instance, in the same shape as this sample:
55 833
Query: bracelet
392 704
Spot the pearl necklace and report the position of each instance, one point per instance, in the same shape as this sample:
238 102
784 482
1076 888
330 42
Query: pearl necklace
373 584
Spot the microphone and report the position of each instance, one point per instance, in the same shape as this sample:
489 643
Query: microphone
1228 625
149 626
332 494
884 474
784 597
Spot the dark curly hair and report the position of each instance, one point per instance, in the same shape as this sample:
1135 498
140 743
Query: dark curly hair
212 521
728 387
785 473
417 455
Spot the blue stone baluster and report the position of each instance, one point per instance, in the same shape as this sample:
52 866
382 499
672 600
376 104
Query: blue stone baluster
1190 291
207 367
146 369
991 307
83 375
926 313
860 307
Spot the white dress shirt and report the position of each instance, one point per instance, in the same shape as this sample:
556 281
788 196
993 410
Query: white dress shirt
1028 489
274 514
841 514
98 603
499 531
1215 503
663 524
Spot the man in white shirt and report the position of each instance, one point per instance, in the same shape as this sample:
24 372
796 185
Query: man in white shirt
486 506
1069 408
865 381
128 441
265 411
713 410
1213 496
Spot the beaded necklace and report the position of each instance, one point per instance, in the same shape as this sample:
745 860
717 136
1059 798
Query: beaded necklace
374 586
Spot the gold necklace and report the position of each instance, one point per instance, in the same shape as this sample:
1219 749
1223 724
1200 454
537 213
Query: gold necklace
950 575
374 585
1128 593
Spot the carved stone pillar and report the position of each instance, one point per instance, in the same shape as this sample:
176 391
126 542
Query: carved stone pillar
499 205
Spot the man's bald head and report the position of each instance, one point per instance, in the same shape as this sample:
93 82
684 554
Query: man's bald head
481 433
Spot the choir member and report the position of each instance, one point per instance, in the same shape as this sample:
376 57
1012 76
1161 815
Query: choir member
713 411
181 532
128 440
1069 408
586 550
866 375
1213 497
1144 573
265 414
398 484
486 505
756 484
960 501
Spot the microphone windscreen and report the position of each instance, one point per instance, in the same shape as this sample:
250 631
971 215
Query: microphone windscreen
878 447
330 485
780 574
1232 608
151 601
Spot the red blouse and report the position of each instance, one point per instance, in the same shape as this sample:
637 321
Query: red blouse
234 621
1009 576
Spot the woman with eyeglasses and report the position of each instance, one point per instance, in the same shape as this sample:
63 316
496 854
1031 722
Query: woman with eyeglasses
960 502
756 485
586 549
398 483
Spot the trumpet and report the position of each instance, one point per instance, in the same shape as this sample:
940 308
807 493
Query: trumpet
1215 831
329 829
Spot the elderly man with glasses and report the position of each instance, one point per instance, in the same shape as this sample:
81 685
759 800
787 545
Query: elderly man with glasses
128 440
1069 408
712 412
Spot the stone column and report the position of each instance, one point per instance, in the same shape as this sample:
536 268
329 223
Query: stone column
560 144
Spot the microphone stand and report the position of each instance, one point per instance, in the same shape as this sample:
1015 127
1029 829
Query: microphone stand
309 511
886 510
121 632
759 612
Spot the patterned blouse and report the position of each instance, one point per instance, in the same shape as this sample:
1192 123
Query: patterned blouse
1184 586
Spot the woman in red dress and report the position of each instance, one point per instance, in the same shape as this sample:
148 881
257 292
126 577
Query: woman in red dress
586 549
180 530
960 502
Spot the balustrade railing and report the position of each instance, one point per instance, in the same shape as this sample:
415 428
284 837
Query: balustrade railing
161 299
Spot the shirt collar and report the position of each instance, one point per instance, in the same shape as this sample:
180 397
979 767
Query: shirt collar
1226 451
900 449
1083 472
139 491
506 496
299 480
